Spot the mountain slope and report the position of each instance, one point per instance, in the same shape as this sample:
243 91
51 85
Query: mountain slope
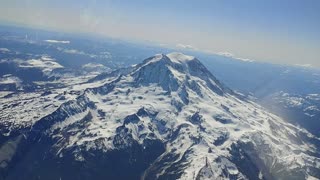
166 118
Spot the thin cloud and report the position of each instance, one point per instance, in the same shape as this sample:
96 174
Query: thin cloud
305 65
228 54
56 41
186 46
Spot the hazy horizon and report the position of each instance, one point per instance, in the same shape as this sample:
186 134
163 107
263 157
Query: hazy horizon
284 32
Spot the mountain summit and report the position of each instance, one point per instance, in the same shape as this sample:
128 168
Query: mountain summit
176 70
166 118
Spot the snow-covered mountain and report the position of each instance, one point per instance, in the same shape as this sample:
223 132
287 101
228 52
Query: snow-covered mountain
166 118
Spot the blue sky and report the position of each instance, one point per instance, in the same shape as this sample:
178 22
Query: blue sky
278 31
